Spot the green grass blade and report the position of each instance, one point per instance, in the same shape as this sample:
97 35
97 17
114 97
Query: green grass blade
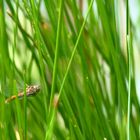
74 50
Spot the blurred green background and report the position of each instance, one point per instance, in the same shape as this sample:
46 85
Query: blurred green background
85 56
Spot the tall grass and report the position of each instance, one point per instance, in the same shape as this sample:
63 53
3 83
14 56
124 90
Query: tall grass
75 51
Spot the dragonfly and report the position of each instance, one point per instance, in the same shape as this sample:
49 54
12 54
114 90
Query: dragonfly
30 91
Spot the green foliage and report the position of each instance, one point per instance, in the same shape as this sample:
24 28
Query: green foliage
74 50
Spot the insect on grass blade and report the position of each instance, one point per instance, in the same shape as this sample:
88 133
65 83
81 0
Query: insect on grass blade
30 91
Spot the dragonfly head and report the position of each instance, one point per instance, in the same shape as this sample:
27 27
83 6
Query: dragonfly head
32 90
